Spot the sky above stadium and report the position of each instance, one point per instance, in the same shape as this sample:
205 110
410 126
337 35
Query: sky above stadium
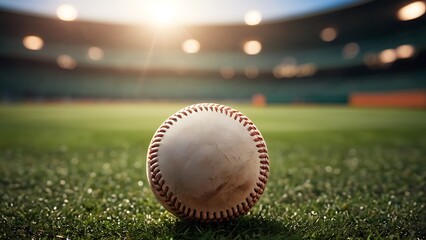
177 11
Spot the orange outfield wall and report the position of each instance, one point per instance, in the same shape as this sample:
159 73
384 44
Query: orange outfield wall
415 99
258 100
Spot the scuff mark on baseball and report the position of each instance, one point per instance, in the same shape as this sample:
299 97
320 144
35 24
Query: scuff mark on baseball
208 163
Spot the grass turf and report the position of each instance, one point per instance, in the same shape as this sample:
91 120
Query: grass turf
78 171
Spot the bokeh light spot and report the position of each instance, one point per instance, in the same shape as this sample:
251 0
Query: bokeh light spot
306 70
328 34
411 11
227 72
350 50
405 51
387 56
191 46
252 47
95 53
33 42
371 60
285 70
66 62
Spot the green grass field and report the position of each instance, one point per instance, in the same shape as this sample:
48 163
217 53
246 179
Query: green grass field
78 171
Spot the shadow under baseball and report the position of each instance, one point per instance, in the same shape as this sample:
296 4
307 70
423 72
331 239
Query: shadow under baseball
247 227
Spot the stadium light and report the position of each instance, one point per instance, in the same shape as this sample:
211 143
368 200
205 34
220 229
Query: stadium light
67 12
306 70
95 53
252 47
350 50
284 70
411 11
387 56
191 46
405 51
253 17
66 62
328 34
33 42
370 59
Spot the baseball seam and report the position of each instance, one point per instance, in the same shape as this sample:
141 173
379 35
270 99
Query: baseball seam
178 208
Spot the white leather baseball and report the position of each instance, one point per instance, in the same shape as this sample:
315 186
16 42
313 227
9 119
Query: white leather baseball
207 162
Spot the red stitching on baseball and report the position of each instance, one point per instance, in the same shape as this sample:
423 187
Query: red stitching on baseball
258 139
157 144
262 150
172 201
255 133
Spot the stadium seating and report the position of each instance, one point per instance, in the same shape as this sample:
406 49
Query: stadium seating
136 66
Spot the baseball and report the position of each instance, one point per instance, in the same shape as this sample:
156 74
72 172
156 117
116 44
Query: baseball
207 163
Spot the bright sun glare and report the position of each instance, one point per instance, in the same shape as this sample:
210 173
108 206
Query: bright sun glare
163 13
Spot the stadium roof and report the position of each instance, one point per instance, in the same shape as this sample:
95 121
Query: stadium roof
368 20
193 12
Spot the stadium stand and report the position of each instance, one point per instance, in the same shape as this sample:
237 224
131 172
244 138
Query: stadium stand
137 62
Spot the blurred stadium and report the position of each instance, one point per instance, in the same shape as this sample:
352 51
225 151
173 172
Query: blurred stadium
85 84
361 52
